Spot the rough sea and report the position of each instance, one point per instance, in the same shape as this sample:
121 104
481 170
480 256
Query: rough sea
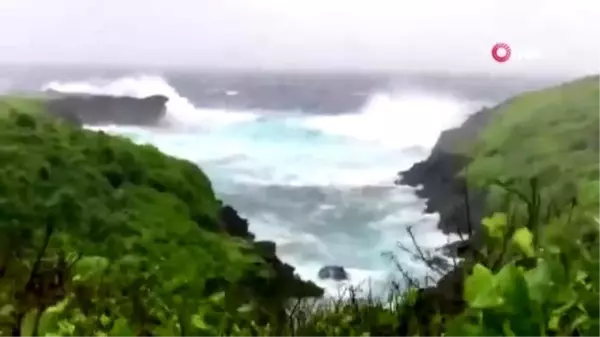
309 159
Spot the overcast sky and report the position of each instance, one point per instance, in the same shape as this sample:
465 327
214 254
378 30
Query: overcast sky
546 36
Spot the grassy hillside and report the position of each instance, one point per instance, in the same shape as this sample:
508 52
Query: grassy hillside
537 132
22 104
549 138
94 227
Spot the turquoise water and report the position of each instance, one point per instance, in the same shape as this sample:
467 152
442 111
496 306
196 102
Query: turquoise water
322 187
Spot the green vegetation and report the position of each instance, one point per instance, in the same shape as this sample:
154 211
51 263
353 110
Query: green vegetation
539 159
550 135
28 105
103 237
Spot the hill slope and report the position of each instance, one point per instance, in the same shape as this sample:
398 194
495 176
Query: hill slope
102 227
552 133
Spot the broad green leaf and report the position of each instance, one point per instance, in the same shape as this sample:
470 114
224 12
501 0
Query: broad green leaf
51 317
90 267
461 326
507 330
198 322
511 284
480 291
582 318
553 322
495 224
105 320
28 323
60 306
523 239
56 333
248 307
121 328
218 298
66 328
168 329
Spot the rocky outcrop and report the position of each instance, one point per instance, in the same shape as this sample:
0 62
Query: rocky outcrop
233 224
104 109
336 273
285 283
460 209
446 192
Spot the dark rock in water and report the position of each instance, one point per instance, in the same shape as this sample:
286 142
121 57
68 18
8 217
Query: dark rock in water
337 273
104 109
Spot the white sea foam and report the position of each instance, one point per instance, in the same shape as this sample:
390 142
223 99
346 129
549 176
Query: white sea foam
400 120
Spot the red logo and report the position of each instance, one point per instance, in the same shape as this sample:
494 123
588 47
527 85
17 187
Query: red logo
501 52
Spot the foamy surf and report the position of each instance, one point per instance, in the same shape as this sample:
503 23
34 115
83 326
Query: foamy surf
398 121
319 186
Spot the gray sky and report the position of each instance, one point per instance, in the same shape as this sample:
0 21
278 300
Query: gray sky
548 36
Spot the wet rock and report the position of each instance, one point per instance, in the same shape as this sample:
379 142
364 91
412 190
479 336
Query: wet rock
105 109
460 209
337 273
266 248
284 283
233 224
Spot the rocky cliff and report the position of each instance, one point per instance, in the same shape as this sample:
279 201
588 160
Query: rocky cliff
443 185
439 176
104 109
447 194
286 283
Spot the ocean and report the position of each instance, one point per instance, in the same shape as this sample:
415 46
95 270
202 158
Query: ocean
309 159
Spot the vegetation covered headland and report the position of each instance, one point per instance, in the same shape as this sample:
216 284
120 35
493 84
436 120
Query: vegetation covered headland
101 227
103 237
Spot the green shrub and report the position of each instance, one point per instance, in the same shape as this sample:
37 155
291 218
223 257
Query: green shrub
101 236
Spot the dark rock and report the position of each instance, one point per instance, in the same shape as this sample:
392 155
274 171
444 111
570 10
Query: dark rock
446 297
233 224
458 249
104 109
284 283
266 248
337 273
460 209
